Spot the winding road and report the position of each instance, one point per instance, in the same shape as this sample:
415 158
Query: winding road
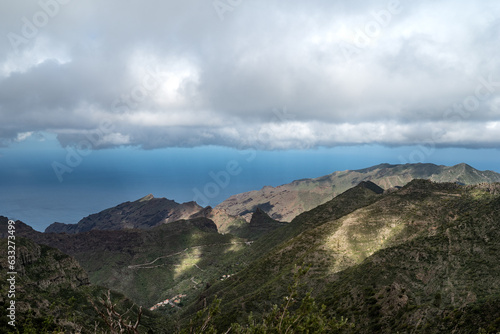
149 265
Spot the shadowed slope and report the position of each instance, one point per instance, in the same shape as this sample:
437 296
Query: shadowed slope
144 213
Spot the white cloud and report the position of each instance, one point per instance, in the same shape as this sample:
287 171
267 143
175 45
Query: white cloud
40 52
115 139
23 136
172 74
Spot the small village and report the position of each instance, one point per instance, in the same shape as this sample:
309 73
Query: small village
224 277
173 302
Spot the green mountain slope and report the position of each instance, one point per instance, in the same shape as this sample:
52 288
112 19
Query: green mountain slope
42 273
53 294
179 258
285 202
435 282
149 266
357 197
419 259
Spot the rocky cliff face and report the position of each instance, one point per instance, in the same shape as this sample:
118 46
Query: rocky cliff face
47 267
39 265
46 279
259 225
144 213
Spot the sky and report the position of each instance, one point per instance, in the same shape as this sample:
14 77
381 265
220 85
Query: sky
104 102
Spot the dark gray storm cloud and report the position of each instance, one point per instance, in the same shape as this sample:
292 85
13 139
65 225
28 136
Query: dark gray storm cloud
240 73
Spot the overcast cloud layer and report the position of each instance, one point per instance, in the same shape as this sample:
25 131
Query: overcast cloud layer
251 74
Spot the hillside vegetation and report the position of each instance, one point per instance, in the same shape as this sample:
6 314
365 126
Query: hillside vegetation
53 294
376 258
420 259
153 265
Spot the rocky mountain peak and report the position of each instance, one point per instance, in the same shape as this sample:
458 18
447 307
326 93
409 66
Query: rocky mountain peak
372 186
144 213
146 198
259 217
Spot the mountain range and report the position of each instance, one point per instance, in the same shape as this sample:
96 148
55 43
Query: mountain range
391 248
285 202
282 203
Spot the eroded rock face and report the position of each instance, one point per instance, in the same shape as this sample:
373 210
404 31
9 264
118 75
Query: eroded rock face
49 288
67 271
144 213
44 267
28 254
